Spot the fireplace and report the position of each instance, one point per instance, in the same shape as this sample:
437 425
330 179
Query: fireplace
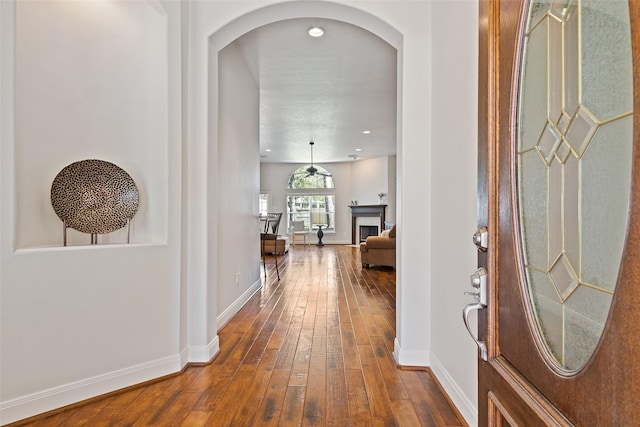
365 211
368 230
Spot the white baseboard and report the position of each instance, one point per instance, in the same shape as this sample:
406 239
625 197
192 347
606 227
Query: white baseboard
184 357
406 357
231 311
467 408
204 354
57 397
326 241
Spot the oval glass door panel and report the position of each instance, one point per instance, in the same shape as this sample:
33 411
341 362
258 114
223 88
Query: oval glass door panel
574 150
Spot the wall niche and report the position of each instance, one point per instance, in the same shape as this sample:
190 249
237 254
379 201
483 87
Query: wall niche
90 82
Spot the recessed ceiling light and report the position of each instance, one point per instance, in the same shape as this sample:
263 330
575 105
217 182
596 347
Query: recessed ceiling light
358 149
366 132
268 150
316 31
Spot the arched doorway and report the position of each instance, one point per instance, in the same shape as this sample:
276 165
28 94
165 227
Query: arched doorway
204 292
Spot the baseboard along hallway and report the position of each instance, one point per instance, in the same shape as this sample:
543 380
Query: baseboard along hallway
314 348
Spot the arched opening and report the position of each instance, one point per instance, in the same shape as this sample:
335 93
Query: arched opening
206 294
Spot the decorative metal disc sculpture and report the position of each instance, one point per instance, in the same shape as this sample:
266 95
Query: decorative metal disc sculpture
95 197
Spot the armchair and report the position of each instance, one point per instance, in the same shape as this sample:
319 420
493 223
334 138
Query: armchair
379 250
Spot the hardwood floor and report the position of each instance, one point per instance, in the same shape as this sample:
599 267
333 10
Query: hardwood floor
312 349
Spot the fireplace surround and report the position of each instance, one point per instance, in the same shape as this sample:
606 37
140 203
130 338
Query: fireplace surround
366 210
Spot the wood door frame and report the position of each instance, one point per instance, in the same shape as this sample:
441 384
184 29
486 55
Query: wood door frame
500 384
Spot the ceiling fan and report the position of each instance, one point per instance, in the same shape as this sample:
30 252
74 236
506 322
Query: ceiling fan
311 170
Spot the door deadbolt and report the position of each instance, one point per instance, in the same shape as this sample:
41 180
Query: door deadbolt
481 238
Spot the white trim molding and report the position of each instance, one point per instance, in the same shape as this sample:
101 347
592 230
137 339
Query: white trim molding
230 311
57 397
467 408
406 357
204 354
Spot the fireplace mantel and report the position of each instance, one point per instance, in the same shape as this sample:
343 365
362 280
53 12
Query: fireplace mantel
366 210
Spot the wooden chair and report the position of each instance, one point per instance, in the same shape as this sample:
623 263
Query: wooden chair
299 230
270 233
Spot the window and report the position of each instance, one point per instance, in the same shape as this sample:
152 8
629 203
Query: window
263 203
315 211
311 198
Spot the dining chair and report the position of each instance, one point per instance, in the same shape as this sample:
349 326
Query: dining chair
270 233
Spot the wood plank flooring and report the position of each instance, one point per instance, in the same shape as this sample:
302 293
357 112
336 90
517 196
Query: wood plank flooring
313 349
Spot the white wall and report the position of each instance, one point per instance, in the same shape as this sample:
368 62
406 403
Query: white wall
92 80
373 176
238 182
369 178
454 132
391 197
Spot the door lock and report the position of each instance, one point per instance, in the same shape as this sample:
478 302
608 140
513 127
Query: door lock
481 239
479 283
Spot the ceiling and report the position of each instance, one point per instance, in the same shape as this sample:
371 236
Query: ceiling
328 89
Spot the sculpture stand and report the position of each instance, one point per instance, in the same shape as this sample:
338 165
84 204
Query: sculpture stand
94 236
320 234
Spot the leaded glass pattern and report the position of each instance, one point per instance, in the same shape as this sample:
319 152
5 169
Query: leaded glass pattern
575 132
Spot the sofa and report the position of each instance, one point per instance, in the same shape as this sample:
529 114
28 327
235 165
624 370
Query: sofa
281 246
379 250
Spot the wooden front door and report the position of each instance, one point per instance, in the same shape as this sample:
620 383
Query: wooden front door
559 175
